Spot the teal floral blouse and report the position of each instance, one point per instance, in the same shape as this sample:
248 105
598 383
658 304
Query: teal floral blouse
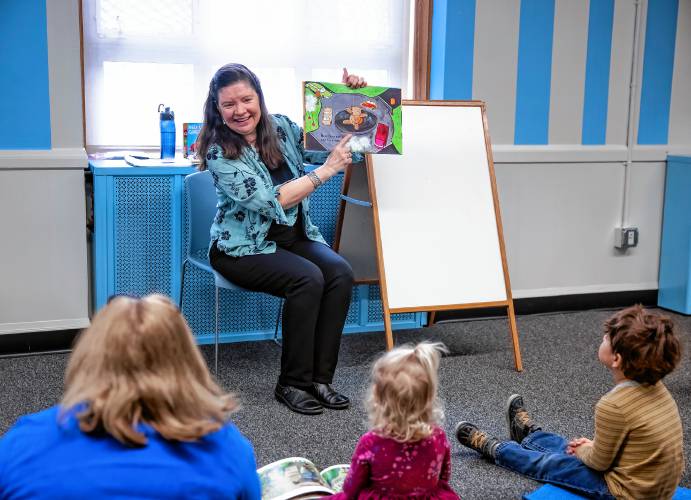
247 203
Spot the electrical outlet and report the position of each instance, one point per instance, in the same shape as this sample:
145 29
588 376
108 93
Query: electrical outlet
625 237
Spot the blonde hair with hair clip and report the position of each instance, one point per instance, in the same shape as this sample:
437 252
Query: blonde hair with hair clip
139 364
402 402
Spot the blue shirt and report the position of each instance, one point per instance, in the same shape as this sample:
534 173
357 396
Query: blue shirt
43 458
247 197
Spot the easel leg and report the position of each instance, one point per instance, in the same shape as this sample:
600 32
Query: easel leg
388 330
380 259
341 208
514 338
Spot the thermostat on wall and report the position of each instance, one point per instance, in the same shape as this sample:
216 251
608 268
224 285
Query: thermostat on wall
625 237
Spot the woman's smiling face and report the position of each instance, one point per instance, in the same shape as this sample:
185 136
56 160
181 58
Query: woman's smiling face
239 106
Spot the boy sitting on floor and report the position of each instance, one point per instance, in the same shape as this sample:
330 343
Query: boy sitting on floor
637 451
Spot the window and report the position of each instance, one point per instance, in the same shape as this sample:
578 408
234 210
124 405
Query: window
138 55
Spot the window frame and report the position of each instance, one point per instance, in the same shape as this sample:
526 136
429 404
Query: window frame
415 73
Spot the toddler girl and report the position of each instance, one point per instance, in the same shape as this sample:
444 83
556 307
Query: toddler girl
405 454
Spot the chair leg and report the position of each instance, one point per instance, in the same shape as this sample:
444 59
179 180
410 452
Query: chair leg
216 337
182 283
278 322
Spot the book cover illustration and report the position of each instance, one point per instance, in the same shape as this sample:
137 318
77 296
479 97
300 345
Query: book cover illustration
297 477
372 114
190 132
335 476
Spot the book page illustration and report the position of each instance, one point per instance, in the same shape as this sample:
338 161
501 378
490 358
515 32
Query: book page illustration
335 476
371 114
291 478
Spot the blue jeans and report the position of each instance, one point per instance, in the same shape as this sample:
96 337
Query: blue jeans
542 456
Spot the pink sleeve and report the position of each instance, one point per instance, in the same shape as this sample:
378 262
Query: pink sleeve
359 472
445 474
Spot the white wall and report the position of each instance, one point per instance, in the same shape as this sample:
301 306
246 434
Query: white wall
559 221
43 258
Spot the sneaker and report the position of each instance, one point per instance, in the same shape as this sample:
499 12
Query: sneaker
469 435
517 419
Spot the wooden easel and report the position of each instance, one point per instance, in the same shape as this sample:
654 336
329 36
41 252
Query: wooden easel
359 232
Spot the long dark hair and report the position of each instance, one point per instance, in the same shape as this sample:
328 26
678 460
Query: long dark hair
214 131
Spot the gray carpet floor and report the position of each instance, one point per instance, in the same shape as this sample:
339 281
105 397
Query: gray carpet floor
561 382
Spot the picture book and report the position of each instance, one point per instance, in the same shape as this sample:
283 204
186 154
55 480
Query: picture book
297 477
373 115
190 132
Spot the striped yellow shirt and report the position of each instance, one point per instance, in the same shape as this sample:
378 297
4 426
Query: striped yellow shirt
638 441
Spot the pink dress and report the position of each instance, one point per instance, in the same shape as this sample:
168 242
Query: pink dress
383 468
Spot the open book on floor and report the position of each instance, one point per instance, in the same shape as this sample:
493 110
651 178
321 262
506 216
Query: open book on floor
297 477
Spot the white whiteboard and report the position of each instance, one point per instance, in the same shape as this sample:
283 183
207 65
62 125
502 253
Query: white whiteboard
438 232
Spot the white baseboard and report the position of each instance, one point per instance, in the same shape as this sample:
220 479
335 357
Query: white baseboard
578 290
42 326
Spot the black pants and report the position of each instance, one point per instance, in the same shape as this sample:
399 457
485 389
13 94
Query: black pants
316 284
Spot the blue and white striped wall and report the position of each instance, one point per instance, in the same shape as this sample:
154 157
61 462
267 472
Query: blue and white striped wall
555 76
43 258
557 71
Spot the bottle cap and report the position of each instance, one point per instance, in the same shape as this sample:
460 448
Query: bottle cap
167 113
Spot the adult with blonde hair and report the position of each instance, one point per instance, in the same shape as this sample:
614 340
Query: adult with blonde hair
405 454
141 417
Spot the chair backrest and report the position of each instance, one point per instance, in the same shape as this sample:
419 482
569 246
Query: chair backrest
201 199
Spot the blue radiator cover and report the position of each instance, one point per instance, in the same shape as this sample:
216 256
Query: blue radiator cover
139 237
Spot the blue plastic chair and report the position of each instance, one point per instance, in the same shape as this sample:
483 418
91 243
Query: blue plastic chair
200 196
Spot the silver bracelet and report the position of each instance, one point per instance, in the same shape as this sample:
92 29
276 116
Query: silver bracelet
316 181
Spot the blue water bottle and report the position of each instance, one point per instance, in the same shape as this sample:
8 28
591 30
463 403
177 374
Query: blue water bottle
167 132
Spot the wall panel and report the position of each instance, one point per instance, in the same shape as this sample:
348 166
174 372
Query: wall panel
43 258
680 112
496 55
620 71
568 71
658 68
559 224
533 80
65 76
24 97
600 21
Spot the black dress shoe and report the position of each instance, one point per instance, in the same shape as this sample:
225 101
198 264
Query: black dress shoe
298 400
328 397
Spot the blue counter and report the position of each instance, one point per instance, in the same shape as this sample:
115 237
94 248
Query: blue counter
139 241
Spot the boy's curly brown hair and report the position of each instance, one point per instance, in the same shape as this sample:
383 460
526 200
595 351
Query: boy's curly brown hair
646 341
